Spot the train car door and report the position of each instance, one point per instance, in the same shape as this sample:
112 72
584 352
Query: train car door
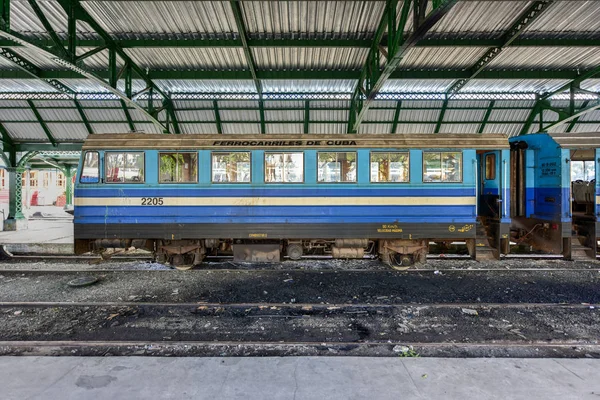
489 185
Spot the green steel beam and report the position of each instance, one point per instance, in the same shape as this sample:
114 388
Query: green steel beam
31 70
527 18
514 73
6 139
487 116
574 121
41 122
168 105
306 115
5 14
217 116
438 125
56 42
261 110
396 115
83 117
128 116
372 78
242 31
573 117
440 39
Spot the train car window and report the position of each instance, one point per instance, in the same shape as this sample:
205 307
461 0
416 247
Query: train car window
91 168
233 167
336 167
177 167
490 166
284 167
390 167
124 167
583 170
442 166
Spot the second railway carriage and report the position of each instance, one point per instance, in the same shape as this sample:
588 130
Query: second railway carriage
554 192
262 197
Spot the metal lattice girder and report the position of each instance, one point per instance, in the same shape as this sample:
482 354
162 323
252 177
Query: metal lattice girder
372 78
31 70
396 116
487 116
438 125
530 15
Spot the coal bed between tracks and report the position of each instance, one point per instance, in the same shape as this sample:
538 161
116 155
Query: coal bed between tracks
329 309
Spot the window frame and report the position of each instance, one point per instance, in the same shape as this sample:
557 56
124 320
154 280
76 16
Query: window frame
493 163
344 182
284 152
178 152
229 152
440 152
106 153
388 152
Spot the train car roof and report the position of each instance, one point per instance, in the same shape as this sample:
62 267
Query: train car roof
140 141
577 140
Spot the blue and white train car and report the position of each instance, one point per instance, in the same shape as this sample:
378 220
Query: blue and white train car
555 189
262 196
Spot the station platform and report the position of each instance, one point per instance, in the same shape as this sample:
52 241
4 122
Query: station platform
297 378
49 231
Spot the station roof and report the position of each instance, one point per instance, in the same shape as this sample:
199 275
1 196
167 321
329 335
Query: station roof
70 68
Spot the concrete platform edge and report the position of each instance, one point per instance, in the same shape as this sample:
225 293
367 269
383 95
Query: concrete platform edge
39 248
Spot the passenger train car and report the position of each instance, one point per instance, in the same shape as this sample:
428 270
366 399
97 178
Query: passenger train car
555 192
260 197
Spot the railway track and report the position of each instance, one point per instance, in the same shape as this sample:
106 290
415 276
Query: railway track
277 329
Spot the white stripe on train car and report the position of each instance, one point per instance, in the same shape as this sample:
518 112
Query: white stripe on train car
276 201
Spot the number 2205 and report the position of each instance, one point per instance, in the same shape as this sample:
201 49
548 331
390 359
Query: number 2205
152 201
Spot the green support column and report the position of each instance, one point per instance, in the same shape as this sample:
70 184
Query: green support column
16 220
68 171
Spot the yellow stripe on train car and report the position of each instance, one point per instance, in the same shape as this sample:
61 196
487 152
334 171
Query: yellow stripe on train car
275 201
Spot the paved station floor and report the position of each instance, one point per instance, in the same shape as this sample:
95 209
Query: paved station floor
49 230
297 378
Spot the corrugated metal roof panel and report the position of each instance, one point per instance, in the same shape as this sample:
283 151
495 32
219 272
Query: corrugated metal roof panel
330 104
548 57
6 64
195 115
418 115
200 18
468 103
328 115
84 86
203 58
422 104
549 116
328 129
591 116
459 128
98 60
26 85
464 115
284 103
206 86
68 132
385 103
105 115
100 103
379 115
179 104
241 128
198 128
513 85
416 85
338 19
17 114
470 18
586 128
137 115
288 115
507 129
509 115
284 128
569 17
309 58
415 128
25 131
14 103
309 86
53 103
441 57
515 103
110 128
238 104
591 84
59 114
374 128
239 115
